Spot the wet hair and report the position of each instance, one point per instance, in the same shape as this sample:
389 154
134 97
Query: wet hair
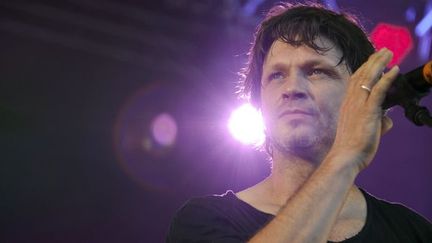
301 24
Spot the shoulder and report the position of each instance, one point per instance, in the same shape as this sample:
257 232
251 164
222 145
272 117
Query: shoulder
395 210
399 217
204 218
208 205
214 218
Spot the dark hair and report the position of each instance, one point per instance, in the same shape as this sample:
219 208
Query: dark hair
301 24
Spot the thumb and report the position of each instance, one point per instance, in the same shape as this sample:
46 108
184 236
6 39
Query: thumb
386 124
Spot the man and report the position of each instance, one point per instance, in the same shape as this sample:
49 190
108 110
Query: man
320 85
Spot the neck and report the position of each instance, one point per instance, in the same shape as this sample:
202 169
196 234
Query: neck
288 174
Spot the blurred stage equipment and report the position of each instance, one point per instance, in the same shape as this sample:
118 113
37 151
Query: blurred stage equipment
408 89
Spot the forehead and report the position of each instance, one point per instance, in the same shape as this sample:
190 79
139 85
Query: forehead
281 51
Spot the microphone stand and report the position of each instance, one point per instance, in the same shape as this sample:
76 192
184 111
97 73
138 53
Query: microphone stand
419 115
407 90
408 94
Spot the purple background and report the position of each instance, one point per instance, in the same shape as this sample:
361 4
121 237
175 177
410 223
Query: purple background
80 83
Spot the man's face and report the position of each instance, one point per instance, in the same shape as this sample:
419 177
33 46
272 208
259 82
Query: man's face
300 97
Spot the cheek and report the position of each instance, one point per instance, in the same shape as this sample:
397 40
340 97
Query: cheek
268 102
266 113
331 101
269 110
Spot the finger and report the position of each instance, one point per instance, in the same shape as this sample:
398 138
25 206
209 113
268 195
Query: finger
369 72
380 89
372 60
376 67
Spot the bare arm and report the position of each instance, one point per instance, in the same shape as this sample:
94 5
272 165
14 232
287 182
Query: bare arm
308 216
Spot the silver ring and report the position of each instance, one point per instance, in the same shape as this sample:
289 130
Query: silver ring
366 88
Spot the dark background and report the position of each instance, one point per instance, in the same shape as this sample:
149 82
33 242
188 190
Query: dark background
81 82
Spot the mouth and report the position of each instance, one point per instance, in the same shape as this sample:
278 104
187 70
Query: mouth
296 112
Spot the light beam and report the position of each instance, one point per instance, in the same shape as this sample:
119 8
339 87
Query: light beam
246 125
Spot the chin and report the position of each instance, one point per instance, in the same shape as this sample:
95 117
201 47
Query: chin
302 140
301 134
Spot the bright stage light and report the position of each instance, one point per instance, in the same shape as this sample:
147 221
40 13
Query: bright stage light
246 125
424 25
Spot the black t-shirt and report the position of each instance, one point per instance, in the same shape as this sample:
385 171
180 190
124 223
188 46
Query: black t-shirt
225 218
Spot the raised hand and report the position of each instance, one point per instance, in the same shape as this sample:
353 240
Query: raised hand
361 119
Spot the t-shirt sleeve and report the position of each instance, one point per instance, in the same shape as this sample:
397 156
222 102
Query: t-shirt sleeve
406 224
420 226
200 221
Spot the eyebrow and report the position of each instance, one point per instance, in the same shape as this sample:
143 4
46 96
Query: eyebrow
332 68
308 63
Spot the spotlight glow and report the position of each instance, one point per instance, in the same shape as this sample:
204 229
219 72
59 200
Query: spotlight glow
396 38
424 25
246 125
164 129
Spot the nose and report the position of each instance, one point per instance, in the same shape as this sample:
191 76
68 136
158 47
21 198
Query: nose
294 95
295 88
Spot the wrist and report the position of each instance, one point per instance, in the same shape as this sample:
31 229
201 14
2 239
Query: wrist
343 164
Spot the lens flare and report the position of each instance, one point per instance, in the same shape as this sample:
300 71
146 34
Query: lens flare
246 125
164 129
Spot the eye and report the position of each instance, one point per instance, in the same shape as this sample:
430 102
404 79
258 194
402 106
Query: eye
276 76
321 73
317 71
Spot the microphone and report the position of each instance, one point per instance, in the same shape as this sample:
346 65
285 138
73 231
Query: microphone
410 87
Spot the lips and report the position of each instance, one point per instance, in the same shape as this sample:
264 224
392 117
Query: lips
296 112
